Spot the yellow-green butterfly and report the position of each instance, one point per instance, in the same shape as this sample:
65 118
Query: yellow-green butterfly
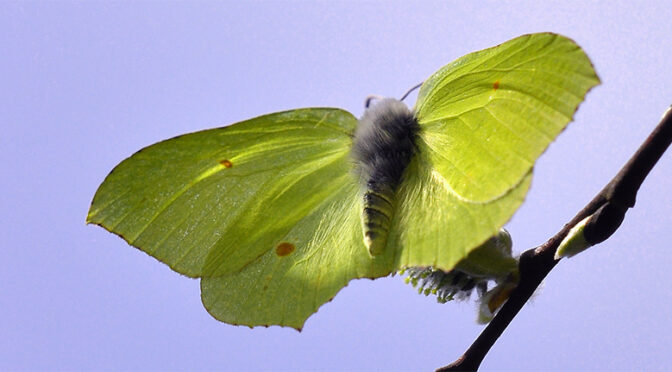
277 213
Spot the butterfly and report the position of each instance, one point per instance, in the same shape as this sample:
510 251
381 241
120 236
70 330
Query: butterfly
277 213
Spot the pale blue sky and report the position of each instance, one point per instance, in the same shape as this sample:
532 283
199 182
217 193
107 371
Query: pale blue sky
85 85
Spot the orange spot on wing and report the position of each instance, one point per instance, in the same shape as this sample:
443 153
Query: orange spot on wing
226 163
284 249
495 85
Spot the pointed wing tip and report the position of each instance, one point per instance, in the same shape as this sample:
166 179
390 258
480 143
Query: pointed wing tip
90 219
188 274
597 82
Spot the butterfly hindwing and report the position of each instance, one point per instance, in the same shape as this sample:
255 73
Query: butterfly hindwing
318 256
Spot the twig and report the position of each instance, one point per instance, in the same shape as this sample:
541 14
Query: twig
606 212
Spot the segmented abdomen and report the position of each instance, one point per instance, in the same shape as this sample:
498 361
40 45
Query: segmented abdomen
378 209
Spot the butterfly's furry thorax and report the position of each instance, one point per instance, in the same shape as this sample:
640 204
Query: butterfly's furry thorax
383 146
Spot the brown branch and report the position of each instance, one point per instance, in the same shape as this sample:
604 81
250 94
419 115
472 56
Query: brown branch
606 212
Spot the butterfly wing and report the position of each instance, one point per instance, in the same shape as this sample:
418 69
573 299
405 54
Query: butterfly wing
268 204
485 119
329 252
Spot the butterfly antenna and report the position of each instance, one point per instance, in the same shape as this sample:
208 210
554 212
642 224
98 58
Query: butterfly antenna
410 90
370 98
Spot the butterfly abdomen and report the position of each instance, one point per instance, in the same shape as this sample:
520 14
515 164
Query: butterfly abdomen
383 146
